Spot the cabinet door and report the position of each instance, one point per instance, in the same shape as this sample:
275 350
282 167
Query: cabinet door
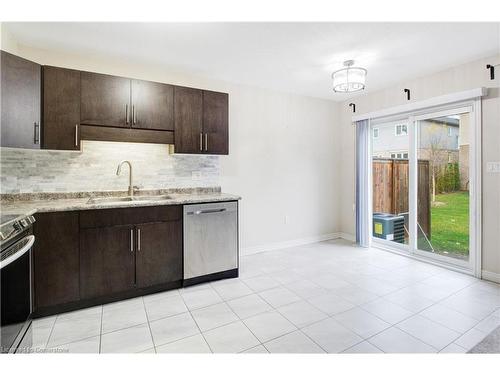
152 105
106 260
188 116
105 100
215 123
61 108
56 259
159 253
21 91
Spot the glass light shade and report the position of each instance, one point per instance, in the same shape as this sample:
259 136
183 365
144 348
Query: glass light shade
349 79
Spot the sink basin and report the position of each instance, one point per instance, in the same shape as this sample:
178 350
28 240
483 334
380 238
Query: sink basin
143 198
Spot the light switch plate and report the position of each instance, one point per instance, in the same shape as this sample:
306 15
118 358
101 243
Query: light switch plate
493 167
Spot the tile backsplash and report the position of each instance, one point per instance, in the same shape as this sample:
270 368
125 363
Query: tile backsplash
94 168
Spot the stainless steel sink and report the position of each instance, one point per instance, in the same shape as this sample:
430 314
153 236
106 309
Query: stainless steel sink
143 198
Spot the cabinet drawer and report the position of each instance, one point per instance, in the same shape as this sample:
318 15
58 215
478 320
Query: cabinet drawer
125 216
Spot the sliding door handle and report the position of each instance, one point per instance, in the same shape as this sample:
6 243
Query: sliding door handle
126 114
134 115
206 141
201 141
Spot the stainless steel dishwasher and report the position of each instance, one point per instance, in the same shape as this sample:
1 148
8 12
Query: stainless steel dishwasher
210 241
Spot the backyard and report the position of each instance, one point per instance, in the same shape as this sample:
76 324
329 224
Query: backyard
450 224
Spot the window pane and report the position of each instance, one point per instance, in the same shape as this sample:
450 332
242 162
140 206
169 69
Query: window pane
443 186
390 184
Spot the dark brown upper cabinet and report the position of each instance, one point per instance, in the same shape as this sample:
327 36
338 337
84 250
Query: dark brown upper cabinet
21 92
75 105
201 121
105 100
188 111
152 105
215 122
61 108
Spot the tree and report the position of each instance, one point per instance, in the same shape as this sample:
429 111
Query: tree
437 151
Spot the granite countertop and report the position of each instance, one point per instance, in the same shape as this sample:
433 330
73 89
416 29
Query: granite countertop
28 204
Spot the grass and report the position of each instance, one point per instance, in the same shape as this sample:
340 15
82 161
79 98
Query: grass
450 224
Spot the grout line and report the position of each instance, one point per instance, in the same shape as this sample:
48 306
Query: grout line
241 320
277 311
200 331
253 347
352 346
306 300
183 338
100 332
51 331
415 314
149 325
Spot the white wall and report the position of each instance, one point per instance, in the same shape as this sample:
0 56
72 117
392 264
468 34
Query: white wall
463 77
283 149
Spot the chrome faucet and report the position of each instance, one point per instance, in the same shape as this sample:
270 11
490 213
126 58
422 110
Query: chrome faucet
130 184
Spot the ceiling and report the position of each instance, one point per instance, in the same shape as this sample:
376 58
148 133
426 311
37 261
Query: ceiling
291 57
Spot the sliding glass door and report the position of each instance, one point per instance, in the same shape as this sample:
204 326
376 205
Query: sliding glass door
390 181
443 189
423 185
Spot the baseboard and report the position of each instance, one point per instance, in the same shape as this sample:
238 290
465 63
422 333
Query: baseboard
292 243
490 276
347 236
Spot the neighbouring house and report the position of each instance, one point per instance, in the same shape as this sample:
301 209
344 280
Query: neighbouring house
440 140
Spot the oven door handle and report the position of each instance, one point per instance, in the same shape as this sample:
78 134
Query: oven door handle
30 240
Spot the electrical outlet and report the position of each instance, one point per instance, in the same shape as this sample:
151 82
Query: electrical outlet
195 175
493 167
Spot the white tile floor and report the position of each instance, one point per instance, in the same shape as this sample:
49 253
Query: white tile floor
328 297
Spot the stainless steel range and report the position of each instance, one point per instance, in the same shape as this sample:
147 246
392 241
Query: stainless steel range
16 243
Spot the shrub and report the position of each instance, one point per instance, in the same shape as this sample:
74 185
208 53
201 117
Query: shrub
448 178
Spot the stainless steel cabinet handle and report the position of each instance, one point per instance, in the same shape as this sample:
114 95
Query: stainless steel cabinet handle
206 141
207 211
201 141
126 113
131 240
76 135
138 239
36 131
133 115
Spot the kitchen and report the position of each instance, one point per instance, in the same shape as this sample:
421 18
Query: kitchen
93 248
151 206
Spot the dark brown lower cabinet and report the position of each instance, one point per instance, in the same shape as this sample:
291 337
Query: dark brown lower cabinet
98 256
55 258
159 253
106 261
127 248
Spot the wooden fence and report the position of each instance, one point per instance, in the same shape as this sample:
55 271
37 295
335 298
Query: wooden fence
390 189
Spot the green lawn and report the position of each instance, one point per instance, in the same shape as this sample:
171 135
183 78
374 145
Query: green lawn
450 224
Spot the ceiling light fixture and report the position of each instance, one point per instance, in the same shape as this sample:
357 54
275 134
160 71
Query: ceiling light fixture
349 79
